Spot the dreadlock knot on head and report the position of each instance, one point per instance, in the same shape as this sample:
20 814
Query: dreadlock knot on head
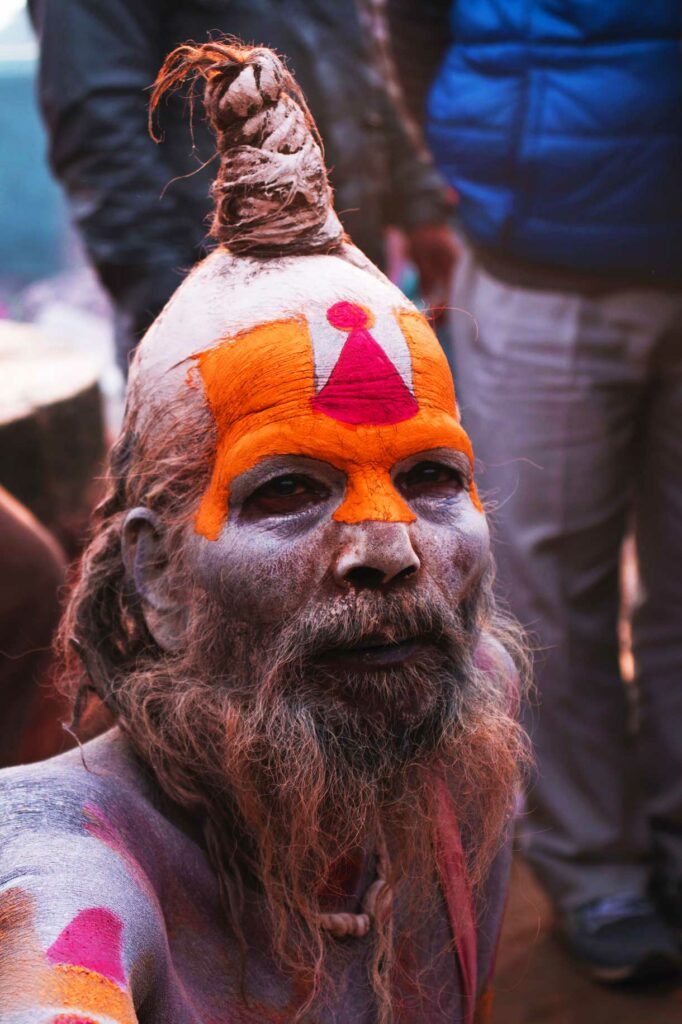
236 91
271 192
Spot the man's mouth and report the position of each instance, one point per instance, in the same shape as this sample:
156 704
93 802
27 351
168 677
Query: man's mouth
374 654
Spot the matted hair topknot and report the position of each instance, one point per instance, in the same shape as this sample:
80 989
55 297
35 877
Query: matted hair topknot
272 195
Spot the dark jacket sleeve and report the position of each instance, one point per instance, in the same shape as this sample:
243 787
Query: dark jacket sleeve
97 61
417 194
419 34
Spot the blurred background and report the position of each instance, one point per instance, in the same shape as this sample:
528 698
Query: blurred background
45 280
61 398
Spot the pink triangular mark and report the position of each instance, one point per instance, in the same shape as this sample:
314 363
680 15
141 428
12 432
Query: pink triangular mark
364 386
92 940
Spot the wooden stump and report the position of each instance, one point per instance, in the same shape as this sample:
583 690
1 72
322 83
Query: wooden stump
51 430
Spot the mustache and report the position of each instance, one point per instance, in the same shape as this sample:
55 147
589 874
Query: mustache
372 618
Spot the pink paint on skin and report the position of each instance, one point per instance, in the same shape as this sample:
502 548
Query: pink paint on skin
364 386
102 828
69 1018
92 940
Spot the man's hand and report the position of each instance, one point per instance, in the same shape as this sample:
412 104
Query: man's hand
434 250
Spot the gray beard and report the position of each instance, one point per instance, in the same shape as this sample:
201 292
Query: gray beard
379 719
290 767
237 708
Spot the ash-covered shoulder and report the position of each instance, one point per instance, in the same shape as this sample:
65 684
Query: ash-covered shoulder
70 859
53 791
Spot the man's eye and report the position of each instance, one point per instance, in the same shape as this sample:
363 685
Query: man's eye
428 479
285 495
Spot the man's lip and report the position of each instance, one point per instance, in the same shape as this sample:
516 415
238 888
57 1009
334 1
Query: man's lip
373 654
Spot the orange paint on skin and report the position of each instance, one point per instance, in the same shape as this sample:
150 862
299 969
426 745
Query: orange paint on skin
87 992
28 981
260 388
23 969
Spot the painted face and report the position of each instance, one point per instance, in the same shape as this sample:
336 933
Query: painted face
360 390
340 466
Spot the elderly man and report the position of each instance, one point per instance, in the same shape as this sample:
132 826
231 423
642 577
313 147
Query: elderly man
286 606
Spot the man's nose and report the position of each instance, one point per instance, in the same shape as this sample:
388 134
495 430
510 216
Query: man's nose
375 555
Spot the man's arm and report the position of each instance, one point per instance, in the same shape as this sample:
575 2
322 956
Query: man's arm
97 61
418 200
419 33
81 934
421 206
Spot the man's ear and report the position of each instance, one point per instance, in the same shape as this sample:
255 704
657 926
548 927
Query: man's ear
147 567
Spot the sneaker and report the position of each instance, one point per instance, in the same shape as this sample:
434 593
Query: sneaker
621 939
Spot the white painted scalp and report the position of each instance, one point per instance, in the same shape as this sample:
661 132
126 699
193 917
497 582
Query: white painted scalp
227 295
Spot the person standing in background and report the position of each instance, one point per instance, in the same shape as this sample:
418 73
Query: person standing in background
560 126
141 209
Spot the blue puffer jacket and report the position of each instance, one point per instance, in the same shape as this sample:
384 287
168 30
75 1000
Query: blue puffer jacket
559 122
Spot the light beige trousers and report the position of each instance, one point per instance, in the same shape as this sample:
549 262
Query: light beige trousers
574 406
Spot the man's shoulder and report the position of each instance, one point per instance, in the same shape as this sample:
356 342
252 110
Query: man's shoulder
79 840
90 816
54 792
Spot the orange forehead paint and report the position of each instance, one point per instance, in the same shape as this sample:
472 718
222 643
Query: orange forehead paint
270 393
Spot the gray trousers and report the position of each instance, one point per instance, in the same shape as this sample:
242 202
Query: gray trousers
574 406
